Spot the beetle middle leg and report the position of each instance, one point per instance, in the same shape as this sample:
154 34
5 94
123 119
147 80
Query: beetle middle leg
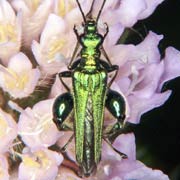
65 74
115 103
110 68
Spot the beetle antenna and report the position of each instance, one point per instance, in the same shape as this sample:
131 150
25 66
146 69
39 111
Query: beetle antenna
89 14
84 18
100 11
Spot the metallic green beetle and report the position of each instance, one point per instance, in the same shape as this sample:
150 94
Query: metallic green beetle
89 96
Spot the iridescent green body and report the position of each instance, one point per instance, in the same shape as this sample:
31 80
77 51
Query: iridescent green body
89 92
87 99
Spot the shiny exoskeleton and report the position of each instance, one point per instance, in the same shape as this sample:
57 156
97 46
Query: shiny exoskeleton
89 96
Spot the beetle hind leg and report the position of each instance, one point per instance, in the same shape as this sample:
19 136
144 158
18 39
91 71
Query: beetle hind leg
115 103
124 156
62 108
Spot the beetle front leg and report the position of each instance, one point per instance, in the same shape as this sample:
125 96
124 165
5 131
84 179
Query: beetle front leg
107 30
62 108
115 103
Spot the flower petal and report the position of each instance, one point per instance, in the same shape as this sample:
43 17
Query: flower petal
10 31
139 106
147 51
36 127
6 12
19 79
125 143
145 173
35 15
41 165
19 63
8 131
114 33
148 84
171 65
48 33
150 7
4 175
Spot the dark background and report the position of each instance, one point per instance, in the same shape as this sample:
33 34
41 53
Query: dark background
158 134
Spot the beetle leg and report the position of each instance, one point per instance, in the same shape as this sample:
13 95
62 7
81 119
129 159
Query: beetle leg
102 48
115 103
113 68
124 156
110 68
63 149
75 64
105 55
65 74
62 108
107 30
74 55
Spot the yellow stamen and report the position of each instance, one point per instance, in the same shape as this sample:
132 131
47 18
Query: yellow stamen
33 4
39 160
15 81
28 161
44 160
64 7
7 33
55 47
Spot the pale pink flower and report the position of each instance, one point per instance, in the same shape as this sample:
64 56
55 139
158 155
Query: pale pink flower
4 175
140 55
141 90
112 166
69 11
150 7
36 127
135 80
127 11
48 29
35 13
57 44
10 31
171 65
39 165
8 131
54 45
19 79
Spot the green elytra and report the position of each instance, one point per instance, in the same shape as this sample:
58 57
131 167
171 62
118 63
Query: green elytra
89 96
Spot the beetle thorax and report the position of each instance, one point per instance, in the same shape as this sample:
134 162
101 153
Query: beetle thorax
91 40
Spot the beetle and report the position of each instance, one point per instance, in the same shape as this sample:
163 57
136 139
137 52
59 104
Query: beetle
89 96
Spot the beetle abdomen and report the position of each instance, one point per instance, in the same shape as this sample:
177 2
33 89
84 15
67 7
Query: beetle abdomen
89 92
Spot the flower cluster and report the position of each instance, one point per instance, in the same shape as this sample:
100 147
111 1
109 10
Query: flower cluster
36 43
